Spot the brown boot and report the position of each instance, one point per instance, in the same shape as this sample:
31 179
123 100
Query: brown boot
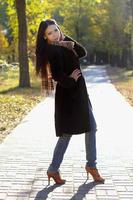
56 176
95 174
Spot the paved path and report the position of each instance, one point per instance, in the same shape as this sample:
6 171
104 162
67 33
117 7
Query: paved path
27 151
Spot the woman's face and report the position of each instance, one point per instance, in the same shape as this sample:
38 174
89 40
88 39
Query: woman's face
52 33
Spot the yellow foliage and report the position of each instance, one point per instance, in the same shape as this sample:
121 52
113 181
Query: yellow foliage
13 108
15 102
3 43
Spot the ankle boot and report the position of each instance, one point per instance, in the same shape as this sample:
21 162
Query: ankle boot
56 177
95 174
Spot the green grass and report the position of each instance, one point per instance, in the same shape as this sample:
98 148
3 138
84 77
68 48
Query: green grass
16 102
8 80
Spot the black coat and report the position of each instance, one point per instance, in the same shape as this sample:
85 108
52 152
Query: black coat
71 98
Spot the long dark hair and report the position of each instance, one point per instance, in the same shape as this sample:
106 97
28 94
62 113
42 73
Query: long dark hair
42 64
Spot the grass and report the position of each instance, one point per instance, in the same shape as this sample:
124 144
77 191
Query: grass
8 80
123 81
16 102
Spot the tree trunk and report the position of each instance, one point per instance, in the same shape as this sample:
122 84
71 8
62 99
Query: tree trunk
109 57
77 25
124 57
24 78
131 59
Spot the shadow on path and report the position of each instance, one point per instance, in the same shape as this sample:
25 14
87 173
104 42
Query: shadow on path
80 194
43 194
83 190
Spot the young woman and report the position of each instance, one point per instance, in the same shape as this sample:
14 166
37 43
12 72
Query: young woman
57 58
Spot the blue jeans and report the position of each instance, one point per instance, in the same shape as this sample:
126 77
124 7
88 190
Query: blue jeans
90 146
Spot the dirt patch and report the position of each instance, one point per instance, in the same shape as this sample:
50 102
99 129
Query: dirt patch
123 81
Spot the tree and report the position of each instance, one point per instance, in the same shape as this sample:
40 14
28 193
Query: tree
104 27
131 58
24 78
3 44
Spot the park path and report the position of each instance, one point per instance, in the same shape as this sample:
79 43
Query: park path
27 151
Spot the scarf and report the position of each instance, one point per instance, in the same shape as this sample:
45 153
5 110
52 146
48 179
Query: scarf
67 44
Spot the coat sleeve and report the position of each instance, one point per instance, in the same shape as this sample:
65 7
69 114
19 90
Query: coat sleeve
80 50
56 64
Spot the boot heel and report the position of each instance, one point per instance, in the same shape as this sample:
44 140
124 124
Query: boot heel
49 180
56 177
87 175
95 174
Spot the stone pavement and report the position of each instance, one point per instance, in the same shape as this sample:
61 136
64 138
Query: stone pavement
27 151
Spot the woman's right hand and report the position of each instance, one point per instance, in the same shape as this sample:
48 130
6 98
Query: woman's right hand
75 74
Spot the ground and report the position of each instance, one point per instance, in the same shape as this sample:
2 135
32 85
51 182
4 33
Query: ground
123 81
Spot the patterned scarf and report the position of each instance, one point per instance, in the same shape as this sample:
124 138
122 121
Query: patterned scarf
68 44
47 85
